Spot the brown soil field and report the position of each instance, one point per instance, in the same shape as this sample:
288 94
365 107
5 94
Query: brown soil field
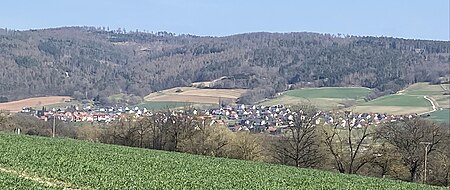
16 106
186 98
223 93
195 95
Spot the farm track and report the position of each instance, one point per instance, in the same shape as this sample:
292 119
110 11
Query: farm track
443 88
433 105
41 180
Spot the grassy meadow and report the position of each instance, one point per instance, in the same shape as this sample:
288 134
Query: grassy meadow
324 98
441 115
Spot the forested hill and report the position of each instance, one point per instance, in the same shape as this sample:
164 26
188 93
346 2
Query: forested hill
87 61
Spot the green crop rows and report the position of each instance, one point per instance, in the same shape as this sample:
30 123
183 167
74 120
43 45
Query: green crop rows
97 166
11 181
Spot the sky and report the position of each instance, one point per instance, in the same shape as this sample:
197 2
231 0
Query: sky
414 19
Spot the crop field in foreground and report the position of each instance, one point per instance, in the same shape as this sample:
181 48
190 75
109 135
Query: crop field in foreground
12 181
63 163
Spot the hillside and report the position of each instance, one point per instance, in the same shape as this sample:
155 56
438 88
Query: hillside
88 62
38 163
417 98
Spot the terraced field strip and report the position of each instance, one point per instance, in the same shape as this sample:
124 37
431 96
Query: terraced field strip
395 104
16 106
194 95
162 105
100 166
330 92
397 110
324 98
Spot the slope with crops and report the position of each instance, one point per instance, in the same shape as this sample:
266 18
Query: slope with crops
38 162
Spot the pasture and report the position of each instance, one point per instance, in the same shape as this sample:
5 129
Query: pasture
16 106
46 163
399 101
324 98
330 92
441 115
161 105
409 100
435 92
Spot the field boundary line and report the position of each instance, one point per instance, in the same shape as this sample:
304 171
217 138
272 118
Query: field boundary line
443 88
41 180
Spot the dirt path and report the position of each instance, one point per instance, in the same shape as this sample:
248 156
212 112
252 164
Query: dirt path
432 103
41 180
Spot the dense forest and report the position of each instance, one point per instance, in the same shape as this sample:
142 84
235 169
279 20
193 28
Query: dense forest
89 62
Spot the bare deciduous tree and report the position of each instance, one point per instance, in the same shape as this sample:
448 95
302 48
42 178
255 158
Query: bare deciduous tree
248 146
6 123
349 143
206 138
299 144
407 136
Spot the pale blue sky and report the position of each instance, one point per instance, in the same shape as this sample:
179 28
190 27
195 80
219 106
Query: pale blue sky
423 19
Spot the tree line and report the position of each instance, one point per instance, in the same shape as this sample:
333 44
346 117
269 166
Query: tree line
394 150
88 62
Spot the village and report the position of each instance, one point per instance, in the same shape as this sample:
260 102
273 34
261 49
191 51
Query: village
240 117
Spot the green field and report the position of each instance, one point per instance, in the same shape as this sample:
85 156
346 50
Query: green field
169 105
61 105
324 98
330 92
162 105
425 89
410 100
399 100
433 91
12 181
441 115
76 164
